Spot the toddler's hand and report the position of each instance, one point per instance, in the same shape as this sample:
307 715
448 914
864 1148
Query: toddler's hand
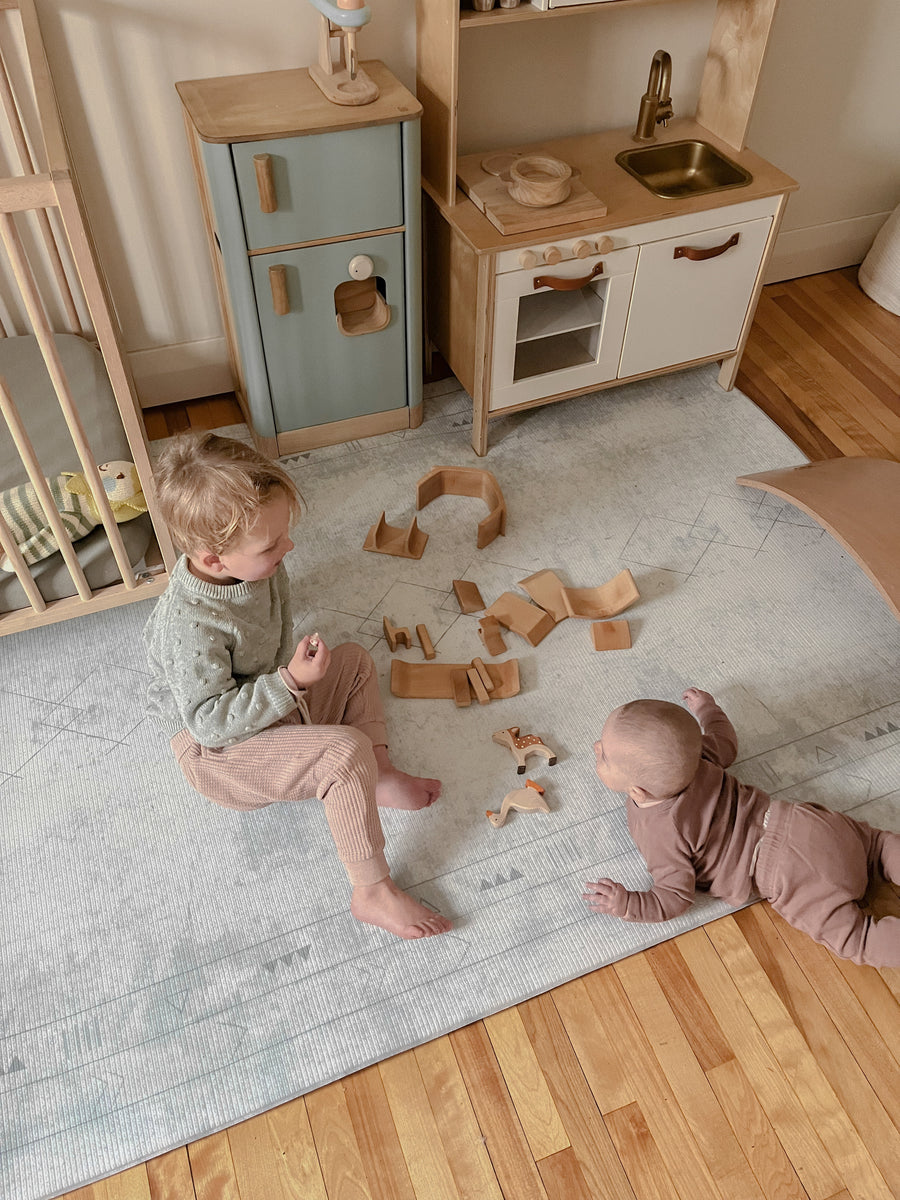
695 699
306 670
606 896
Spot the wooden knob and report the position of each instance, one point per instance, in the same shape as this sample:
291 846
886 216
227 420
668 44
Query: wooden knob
552 254
528 259
582 249
604 245
281 303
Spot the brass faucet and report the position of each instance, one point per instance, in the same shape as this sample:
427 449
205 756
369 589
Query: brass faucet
656 103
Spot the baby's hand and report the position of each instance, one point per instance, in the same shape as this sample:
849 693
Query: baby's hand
305 669
606 896
695 699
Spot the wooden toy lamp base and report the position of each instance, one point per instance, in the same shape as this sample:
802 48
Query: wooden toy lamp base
343 82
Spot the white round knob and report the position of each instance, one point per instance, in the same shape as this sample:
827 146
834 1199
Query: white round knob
528 259
582 249
552 255
360 266
604 245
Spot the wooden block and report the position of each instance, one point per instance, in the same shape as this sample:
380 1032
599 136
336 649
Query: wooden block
436 681
522 617
468 596
483 673
394 539
546 589
396 636
462 693
467 481
481 693
603 601
425 641
489 632
611 635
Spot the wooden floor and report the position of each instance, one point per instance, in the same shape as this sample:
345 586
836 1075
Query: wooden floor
737 1062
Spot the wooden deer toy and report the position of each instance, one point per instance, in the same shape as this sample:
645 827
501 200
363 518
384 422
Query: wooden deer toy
521 747
530 798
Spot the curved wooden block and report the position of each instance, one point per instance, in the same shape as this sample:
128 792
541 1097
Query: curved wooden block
467 481
603 601
437 681
394 539
521 616
857 501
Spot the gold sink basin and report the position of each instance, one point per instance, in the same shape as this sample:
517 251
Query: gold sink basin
678 169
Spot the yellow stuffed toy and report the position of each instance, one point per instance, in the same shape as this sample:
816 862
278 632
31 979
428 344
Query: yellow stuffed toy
21 509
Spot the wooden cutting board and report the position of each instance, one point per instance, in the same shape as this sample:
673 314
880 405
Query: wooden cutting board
489 193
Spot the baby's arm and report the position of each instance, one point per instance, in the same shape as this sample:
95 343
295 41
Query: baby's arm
671 867
719 738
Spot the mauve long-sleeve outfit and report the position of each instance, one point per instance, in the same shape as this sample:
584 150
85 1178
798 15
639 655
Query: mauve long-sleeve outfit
733 840
243 734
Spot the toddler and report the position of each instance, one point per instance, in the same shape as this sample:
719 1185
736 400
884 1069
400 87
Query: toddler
699 828
252 717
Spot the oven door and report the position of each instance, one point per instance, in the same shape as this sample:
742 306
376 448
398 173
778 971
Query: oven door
560 328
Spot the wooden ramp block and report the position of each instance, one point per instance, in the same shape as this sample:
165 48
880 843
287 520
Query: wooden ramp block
467 481
611 635
489 632
468 596
440 681
547 589
857 501
394 539
603 601
522 617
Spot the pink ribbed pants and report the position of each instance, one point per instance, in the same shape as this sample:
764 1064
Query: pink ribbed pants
332 759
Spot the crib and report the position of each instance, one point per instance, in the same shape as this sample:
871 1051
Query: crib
66 393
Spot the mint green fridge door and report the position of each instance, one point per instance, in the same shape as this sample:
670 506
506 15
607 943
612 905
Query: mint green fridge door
316 373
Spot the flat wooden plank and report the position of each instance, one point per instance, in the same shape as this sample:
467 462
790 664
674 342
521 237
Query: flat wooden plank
639 1153
754 382
528 1089
457 1125
335 1140
275 1157
212 1168
417 1129
611 1084
737 47
376 1136
857 501
563 1178
708 1043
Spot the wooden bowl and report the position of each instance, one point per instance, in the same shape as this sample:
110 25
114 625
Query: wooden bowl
539 181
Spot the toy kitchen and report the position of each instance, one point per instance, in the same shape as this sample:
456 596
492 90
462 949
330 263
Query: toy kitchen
577 264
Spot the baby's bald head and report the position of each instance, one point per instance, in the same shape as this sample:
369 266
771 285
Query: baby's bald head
653 745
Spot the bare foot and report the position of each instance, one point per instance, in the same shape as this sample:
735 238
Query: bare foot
396 789
385 905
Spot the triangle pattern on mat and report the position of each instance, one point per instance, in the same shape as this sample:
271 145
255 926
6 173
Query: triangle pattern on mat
287 959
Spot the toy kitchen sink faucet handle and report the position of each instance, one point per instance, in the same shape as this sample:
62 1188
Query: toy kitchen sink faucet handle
344 81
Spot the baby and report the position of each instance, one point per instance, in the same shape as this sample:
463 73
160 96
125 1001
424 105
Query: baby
698 828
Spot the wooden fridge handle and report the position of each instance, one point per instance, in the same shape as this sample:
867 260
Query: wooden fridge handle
278 283
265 183
560 284
696 255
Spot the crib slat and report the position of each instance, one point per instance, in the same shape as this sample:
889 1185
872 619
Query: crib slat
44 334
20 566
39 483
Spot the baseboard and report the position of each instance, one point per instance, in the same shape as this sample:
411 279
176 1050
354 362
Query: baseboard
187 371
823 247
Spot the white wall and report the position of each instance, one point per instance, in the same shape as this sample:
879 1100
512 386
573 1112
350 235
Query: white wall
825 114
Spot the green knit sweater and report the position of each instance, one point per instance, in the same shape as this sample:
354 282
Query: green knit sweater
214 652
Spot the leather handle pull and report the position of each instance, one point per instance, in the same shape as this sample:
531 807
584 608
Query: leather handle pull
265 183
696 255
560 284
278 283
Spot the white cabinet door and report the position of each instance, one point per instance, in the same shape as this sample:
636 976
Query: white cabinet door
691 295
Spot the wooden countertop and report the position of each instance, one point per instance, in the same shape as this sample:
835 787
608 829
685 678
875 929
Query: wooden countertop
628 202
272 104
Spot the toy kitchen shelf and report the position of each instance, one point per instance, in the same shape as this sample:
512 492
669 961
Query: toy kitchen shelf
662 284
313 215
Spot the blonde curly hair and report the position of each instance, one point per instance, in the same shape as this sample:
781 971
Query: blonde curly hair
210 490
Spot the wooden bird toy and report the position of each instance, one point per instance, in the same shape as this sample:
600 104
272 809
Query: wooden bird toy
530 798
521 747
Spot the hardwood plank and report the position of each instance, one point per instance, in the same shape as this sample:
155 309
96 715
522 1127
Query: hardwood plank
882 324
640 1155
376 1136
859 1173
212 1169
692 1090
274 1156
541 1122
795 1131
506 1143
879 357
336 1146
562 1177
155 424
752 1128
169 1176
417 1129
754 381
611 1085
666 1123
697 1022
456 1122
591 1144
